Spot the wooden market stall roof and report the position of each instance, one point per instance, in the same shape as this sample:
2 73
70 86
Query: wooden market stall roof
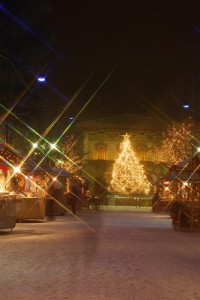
188 169
8 156
187 173
43 167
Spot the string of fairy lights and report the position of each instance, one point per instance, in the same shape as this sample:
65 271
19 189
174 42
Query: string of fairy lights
128 175
52 146
176 144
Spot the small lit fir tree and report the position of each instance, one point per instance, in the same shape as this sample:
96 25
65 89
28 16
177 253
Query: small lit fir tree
176 145
69 155
72 159
128 177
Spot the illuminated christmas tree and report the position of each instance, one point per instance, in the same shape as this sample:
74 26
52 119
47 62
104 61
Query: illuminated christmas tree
71 159
128 177
176 145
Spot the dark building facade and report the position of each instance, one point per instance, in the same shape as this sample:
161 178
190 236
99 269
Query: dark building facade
101 140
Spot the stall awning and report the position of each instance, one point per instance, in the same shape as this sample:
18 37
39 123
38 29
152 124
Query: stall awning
187 170
36 168
60 172
8 157
183 176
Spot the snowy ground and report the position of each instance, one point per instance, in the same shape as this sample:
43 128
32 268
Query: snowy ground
106 255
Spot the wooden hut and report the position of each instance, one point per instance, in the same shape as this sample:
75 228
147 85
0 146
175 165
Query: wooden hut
8 160
28 190
181 186
20 203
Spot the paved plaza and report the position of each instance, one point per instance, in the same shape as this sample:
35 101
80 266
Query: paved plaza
100 255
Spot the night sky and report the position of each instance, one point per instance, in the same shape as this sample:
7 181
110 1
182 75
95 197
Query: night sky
152 49
132 56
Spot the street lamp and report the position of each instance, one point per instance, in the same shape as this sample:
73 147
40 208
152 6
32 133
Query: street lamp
41 78
186 105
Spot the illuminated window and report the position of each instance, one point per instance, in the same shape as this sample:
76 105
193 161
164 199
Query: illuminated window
101 152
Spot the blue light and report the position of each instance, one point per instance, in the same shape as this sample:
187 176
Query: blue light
186 105
71 118
41 79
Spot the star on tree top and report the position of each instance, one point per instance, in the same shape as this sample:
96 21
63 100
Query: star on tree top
126 136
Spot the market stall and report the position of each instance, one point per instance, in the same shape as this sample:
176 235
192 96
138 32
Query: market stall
181 187
31 203
21 196
7 211
30 208
57 191
32 186
8 159
49 185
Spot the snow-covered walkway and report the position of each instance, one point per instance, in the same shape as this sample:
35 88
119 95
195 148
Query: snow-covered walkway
106 255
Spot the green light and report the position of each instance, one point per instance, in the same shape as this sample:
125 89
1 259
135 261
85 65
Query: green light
53 146
60 161
35 145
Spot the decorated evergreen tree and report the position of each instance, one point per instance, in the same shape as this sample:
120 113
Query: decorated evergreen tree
128 176
72 157
176 145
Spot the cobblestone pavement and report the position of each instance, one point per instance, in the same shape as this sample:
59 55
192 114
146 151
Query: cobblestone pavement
100 255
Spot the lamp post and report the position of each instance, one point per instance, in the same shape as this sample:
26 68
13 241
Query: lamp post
186 105
41 78
189 108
